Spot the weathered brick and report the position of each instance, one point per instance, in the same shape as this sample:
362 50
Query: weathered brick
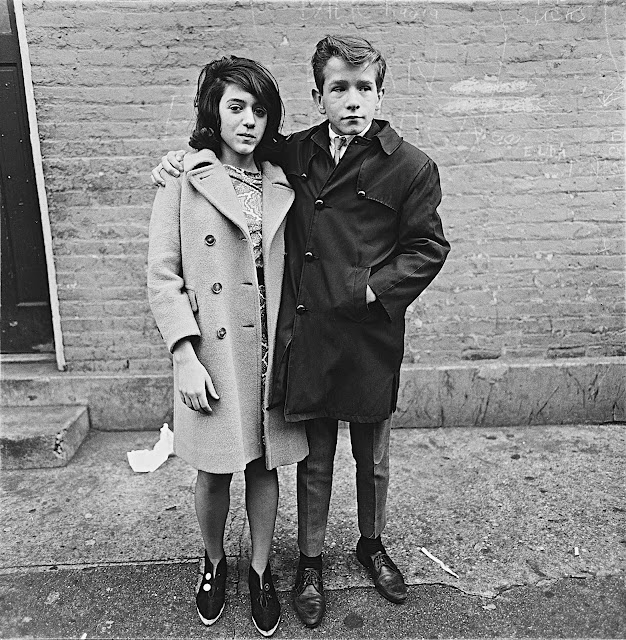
520 104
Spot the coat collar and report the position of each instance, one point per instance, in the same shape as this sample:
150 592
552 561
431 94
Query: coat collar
278 196
209 177
380 130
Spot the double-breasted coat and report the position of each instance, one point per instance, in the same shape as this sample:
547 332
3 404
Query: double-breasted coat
202 284
373 220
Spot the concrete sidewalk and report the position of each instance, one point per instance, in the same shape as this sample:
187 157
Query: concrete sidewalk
94 549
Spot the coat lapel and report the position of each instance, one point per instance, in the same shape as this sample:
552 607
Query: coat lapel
208 176
278 197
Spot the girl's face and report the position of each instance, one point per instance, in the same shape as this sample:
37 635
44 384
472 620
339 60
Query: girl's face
243 121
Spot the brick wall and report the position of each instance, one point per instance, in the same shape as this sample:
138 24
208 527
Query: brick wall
520 104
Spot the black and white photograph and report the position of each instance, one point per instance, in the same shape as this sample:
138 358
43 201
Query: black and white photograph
312 319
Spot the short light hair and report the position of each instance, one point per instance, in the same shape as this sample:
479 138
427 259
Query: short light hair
353 49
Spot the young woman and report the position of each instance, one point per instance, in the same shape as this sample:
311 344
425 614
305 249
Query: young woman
215 269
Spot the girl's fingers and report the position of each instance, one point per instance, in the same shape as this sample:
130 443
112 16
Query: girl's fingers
187 400
199 401
211 388
204 404
195 403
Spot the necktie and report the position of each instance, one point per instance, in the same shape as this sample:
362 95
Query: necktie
340 143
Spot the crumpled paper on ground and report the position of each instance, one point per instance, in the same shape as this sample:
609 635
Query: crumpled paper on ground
148 460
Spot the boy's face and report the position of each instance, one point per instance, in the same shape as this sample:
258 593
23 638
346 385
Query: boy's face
349 98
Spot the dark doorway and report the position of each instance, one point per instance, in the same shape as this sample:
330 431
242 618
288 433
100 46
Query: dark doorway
25 317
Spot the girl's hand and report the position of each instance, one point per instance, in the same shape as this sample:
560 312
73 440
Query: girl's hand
172 163
194 382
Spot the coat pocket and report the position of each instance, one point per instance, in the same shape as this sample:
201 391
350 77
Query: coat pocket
348 293
359 299
191 294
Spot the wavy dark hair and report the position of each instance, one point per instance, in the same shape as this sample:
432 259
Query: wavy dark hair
249 76
353 49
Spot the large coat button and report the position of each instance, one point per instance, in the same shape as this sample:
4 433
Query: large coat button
319 204
300 309
209 240
360 194
221 333
216 288
309 256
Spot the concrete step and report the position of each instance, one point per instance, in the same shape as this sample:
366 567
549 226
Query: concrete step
44 436
468 394
117 401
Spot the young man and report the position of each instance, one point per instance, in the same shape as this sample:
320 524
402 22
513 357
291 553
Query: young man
363 240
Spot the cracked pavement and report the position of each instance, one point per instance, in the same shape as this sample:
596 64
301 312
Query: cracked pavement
94 549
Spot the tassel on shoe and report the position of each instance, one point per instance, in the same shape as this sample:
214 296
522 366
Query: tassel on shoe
264 601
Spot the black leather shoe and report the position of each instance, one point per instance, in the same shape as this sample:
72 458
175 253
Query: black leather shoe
309 600
386 576
211 595
265 605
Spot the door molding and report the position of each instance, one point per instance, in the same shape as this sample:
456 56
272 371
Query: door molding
41 190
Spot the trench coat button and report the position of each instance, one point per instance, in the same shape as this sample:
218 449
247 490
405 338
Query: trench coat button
221 333
309 257
304 176
360 194
319 204
209 240
216 288
301 309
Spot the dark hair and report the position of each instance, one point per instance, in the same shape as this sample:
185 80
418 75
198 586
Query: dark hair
249 76
352 49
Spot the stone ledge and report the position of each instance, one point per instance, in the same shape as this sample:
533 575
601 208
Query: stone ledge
494 393
41 436
117 402
581 390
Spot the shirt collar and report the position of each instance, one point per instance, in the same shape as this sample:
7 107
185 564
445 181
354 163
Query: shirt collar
332 135
379 130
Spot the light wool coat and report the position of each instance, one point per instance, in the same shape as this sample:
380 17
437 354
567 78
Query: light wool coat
202 284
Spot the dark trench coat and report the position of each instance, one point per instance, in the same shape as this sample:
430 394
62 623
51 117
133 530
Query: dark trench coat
370 220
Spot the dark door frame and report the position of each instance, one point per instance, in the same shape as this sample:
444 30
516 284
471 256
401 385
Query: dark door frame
41 191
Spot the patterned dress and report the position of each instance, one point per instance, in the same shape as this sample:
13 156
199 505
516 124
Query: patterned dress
249 189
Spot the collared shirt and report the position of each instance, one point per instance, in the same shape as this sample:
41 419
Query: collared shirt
332 135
